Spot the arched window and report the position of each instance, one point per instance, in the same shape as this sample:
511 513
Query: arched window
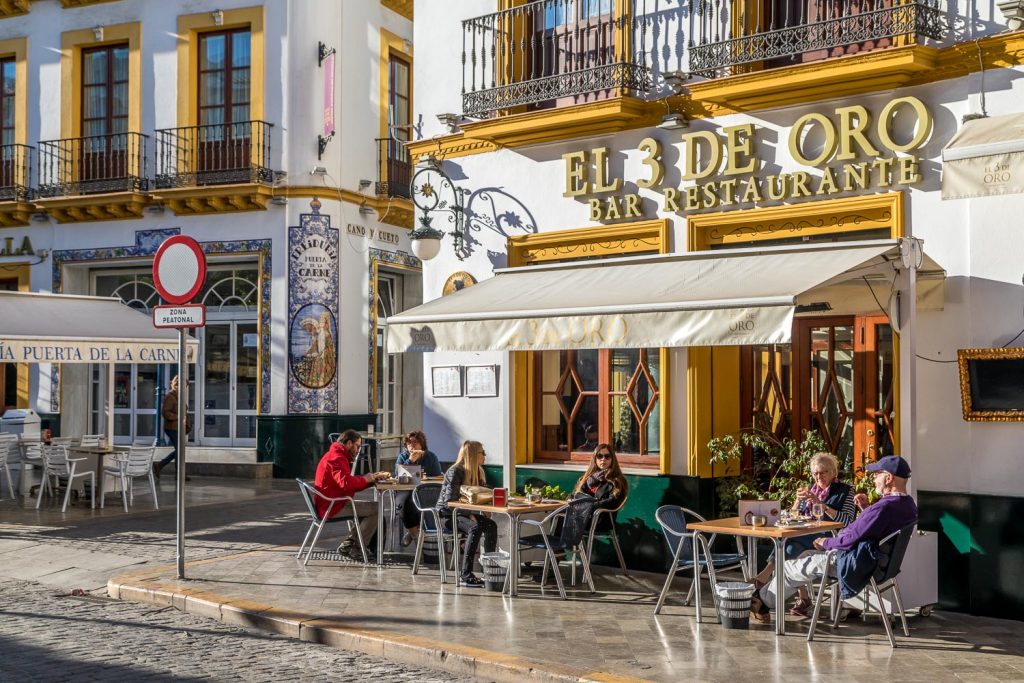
135 290
232 290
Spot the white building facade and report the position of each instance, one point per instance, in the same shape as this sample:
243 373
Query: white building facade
604 129
266 131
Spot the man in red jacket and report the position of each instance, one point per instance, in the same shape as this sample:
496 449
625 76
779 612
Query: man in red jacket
334 479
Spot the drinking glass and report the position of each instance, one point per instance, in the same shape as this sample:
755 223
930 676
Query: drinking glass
818 511
784 516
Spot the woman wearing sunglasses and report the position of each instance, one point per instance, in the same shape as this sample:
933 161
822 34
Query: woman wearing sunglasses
604 481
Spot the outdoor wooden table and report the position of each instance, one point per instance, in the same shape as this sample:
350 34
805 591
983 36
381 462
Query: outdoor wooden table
512 512
734 527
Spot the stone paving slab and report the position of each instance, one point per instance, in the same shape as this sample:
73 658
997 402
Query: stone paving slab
611 635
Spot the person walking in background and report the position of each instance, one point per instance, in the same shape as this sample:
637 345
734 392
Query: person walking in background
169 412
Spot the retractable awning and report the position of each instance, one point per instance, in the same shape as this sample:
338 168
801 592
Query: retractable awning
985 157
719 298
63 328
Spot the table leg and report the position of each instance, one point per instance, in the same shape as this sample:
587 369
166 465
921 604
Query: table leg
513 555
696 572
780 588
379 496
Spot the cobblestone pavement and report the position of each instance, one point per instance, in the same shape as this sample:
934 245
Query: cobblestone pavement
49 637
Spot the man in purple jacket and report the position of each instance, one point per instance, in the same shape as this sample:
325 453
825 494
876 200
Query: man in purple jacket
893 511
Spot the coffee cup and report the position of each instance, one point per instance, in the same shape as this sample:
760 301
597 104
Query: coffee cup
755 520
404 479
533 497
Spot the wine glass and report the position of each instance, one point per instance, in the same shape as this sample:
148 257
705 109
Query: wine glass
818 511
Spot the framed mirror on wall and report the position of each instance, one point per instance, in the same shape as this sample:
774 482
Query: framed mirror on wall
992 384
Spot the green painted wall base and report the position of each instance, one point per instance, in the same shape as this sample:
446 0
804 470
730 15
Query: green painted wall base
295 443
981 551
640 536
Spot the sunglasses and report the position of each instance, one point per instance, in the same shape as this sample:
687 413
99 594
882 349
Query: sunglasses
603 456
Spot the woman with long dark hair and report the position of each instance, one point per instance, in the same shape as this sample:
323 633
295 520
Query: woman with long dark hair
604 481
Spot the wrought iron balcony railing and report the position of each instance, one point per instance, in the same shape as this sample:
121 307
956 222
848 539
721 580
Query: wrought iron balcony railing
394 168
214 154
776 33
16 173
93 164
552 52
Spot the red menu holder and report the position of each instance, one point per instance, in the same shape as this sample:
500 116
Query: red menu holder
500 497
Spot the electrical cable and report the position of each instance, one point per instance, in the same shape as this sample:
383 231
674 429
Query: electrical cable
880 306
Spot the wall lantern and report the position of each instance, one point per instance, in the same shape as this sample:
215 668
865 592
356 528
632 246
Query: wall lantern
435 196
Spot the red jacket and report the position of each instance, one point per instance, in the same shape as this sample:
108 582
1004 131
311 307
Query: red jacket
334 479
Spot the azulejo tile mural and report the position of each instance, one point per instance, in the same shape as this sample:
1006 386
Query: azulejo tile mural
146 244
313 266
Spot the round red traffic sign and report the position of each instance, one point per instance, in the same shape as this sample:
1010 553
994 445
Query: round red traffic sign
179 269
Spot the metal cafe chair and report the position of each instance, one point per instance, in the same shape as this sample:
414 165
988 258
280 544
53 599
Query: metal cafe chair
8 449
685 555
572 537
58 465
137 462
310 495
612 533
424 497
891 551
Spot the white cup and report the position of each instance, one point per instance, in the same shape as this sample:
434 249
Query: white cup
369 429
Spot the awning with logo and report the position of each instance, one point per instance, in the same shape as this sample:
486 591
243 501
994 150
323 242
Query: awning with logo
711 298
985 157
63 328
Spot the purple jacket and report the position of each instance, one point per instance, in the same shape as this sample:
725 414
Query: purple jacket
877 521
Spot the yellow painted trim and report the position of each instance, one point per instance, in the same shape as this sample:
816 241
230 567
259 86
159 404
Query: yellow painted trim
22 272
95 207
610 240
18 48
825 217
713 374
376 262
189 28
72 43
69 4
401 7
13 8
391 43
395 211
867 72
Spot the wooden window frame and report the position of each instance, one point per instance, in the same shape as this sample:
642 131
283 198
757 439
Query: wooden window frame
228 104
107 85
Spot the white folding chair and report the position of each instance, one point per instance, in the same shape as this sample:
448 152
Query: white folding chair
310 496
8 451
57 464
136 462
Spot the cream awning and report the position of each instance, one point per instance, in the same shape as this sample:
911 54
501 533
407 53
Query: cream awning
719 298
63 328
985 157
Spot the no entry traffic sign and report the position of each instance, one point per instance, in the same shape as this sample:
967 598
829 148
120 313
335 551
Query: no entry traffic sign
179 269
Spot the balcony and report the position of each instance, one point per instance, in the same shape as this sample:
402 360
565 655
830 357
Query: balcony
773 34
216 167
552 53
15 185
394 169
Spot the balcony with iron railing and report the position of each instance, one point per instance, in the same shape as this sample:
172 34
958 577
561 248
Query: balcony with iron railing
214 154
16 173
394 169
555 53
92 165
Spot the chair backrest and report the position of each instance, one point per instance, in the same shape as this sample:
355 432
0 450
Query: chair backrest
308 495
576 521
672 519
63 441
891 551
55 460
92 440
8 448
139 461
424 497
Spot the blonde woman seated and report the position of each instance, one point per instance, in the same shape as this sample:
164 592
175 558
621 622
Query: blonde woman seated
468 470
840 505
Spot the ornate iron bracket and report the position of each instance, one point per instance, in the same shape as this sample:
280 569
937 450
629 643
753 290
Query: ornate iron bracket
321 144
323 52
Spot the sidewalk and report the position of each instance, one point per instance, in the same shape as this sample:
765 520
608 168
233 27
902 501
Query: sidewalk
610 636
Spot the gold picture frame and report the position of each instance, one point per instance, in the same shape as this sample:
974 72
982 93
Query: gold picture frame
986 409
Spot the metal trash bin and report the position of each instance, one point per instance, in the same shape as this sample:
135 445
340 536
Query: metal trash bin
734 603
495 569
429 555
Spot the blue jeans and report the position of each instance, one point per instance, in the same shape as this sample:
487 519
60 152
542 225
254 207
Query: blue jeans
172 434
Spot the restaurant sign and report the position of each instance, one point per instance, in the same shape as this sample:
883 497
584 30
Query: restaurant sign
23 247
99 351
851 149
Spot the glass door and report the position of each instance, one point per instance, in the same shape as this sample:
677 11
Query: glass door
135 389
229 384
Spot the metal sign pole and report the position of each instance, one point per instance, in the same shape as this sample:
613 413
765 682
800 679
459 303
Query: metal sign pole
182 438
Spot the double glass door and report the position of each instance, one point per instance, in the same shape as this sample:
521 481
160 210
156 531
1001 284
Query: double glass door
135 401
229 382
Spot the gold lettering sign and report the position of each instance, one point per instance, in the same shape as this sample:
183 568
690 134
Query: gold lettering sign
852 149
23 248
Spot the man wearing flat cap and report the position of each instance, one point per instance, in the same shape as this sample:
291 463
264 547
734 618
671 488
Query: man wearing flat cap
855 561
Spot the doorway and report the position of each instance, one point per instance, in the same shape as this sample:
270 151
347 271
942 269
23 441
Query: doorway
837 378
229 383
